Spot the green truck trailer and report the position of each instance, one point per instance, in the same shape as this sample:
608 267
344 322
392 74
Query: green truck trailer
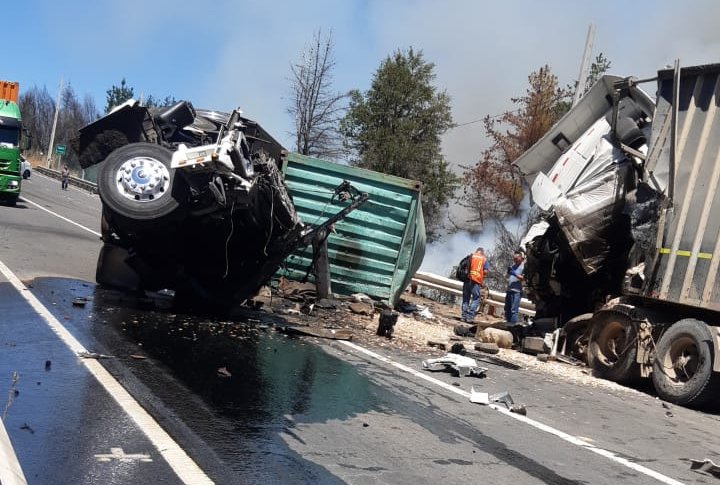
12 142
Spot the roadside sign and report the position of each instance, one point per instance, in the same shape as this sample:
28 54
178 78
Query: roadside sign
60 149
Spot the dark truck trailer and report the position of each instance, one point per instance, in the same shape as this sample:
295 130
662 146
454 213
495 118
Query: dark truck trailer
626 258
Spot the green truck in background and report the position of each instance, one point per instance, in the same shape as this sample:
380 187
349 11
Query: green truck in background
12 142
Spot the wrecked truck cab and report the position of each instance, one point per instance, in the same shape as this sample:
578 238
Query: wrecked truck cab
632 252
581 173
193 201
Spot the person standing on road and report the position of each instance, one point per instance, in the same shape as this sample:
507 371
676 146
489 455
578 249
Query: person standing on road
473 284
513 295
64 176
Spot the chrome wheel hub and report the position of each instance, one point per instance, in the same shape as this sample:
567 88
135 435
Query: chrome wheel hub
142 179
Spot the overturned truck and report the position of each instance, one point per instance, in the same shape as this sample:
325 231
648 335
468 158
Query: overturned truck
193 201
626 256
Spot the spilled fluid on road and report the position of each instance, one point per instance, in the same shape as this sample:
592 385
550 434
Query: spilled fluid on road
240 386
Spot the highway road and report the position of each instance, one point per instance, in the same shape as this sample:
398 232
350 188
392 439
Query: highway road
147 403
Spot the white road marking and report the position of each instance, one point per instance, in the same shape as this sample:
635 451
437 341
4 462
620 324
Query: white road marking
120 455
536 424
185 468
25 199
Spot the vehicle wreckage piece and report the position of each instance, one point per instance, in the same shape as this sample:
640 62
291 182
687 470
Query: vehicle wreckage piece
629 190
460 365
193 201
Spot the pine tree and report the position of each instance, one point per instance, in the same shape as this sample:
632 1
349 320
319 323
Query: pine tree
396 126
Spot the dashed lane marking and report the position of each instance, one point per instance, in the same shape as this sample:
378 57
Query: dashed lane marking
535 424
183 466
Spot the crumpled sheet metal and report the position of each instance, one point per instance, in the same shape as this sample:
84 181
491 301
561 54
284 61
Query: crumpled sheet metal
588 215
459 364
707 466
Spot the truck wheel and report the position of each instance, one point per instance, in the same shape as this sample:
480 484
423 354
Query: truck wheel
576 336
683 367
136 182
612 348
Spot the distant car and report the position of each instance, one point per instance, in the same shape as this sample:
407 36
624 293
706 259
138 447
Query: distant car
26 169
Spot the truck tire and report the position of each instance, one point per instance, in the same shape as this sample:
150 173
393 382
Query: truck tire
136 182
612 348
683 367
576 336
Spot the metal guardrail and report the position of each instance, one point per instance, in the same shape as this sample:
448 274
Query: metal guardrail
77 182
496 299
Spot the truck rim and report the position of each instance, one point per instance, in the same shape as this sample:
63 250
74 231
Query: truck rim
142 179
680 362
613 342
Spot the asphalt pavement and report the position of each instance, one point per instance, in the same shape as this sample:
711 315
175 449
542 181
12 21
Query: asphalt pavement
245 404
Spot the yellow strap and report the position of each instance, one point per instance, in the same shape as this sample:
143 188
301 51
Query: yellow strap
681 252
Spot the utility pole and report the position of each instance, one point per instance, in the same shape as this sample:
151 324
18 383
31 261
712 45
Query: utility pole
584 64
52 133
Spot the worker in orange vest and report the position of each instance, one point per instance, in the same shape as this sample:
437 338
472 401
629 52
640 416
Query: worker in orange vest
479 268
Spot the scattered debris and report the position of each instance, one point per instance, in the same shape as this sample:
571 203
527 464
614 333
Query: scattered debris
80 301
404 307
329 333
439 345
386 323
479 397
502 398
533 345
295 310
502 338
458 348
93 355
567 359
706 465
326 303
518 409
361 298
425 313
223 372
459 364
362 308
464 330
295 290
492 359
487 347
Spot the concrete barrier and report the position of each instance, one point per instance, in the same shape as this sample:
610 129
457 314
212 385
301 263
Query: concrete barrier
496 299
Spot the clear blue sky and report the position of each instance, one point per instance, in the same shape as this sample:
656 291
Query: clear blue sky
223 54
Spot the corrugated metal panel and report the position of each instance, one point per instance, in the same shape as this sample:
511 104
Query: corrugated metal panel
379 246
689 248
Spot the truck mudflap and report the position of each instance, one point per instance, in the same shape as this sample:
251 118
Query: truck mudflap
716 336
